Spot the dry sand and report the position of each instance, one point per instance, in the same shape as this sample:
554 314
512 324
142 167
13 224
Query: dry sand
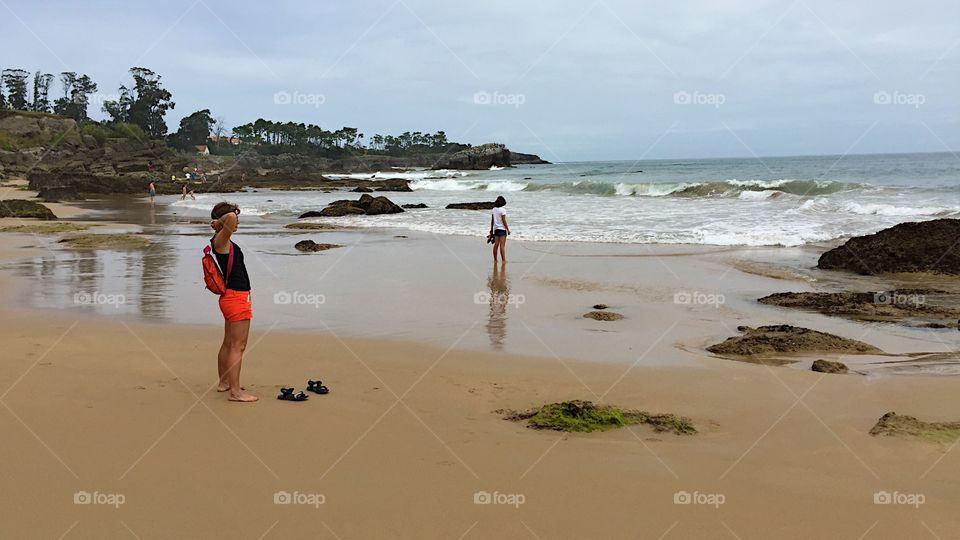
407 438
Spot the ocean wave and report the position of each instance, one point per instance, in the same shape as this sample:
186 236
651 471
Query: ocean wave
407 175
876 209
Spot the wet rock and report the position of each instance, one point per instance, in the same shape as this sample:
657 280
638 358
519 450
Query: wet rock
895 425
471 206
107 241
600 306
784 338
25 209
311 246
928 246
826 366
419 205
365 205
603 316
885 306
362 190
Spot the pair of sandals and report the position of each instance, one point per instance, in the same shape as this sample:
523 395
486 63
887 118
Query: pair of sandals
317 387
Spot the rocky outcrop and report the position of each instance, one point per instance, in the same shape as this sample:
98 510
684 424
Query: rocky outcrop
896 425
418 205
471 206
785 338
517 158
18 208
478 157
366 205
883 306
603 316
928 246
362 189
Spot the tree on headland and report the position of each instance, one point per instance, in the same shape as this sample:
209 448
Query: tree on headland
41 92
145 104
15 80
194 130
76 96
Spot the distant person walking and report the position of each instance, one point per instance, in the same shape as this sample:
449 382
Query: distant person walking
183 196
499 229
153 192
235 304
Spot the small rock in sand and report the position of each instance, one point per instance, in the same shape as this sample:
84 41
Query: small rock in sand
826 366
603 316
600 306
311 246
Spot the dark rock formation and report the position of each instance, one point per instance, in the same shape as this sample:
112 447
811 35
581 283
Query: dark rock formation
885 306
362 189
826 366
25 209
928 246
471 206
784 338
367 205
478 157
517 158
418 205
311 246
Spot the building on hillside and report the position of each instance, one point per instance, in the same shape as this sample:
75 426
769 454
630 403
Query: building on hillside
203 150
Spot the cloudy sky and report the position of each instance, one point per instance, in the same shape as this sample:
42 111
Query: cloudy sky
569 80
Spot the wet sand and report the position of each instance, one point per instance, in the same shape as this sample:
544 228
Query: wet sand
122 403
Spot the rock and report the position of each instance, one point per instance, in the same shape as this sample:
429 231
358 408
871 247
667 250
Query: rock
826 366
362 190
478 157
311 246
367 204
107 241
895 425
600 306
784 338
312 226
336 210
603 316
884 306
419 205
393 184
517 158
471 206
927 246
25 209
382 205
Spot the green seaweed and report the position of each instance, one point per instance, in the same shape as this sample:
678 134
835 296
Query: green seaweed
585 417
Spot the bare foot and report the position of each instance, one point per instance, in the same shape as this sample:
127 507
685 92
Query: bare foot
242 396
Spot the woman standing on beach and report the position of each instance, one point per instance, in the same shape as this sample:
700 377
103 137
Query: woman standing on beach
235 304
499 229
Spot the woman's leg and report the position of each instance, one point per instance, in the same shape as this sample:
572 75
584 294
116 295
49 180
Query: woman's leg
496 242
503 248
222 358
237 334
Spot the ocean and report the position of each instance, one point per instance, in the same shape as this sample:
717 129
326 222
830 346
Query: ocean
771 201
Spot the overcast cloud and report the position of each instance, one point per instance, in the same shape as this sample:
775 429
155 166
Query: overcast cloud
611 79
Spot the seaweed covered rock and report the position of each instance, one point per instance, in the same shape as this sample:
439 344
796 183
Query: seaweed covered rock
928 246
25 209
784 338
585 416
895 425
311 246
826 366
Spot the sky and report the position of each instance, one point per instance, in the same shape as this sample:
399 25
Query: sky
568 80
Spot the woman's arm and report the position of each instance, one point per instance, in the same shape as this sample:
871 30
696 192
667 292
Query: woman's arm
491 223
505 226
221 240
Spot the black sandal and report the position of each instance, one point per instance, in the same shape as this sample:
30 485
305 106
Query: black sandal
317 387
287 394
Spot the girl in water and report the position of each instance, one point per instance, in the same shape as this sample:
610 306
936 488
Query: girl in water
499 229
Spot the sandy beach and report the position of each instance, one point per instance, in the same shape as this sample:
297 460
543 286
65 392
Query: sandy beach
121 407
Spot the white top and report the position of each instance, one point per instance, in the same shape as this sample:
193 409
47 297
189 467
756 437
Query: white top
498 215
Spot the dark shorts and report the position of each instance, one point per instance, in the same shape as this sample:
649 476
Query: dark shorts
499 232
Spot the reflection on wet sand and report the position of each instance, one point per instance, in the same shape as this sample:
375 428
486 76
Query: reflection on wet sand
499 286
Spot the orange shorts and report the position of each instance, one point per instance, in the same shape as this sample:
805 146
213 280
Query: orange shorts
236 305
